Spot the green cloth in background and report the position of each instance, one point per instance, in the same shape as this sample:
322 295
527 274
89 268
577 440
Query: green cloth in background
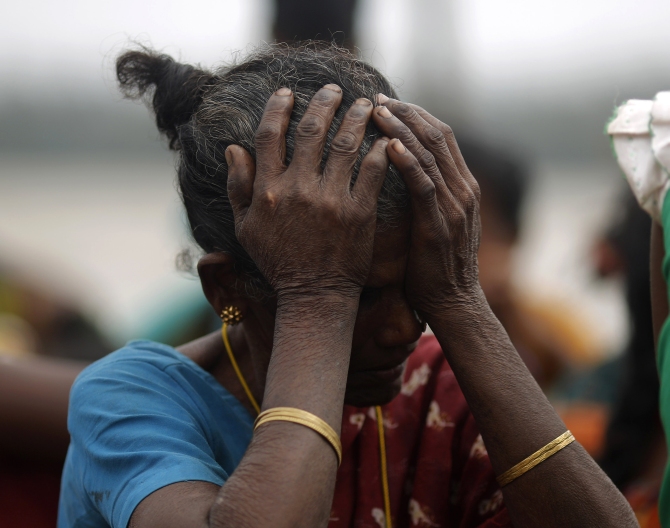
663 360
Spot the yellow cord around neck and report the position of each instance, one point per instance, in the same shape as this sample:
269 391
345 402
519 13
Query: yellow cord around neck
382 463
243 382
378 411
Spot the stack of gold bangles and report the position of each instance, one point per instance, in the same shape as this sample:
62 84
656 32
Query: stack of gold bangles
298 416
533 460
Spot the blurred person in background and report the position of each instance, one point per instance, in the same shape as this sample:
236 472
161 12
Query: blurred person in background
326 20
36 322
44 344
330 313
548 338
611 407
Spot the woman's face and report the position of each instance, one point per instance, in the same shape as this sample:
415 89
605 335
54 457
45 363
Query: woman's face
387 329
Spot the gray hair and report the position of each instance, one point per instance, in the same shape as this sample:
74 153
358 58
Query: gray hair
202 113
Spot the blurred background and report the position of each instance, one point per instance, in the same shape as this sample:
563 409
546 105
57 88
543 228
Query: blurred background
91 223
88 208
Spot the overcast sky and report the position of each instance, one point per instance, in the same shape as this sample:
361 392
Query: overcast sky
503 42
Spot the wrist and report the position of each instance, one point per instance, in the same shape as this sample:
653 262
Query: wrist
311 350
457 309
321 316
318 302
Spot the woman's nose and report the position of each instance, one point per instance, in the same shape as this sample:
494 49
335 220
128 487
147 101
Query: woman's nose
399 325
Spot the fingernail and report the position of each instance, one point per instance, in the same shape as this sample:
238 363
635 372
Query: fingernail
381 98
283 91
229 157
384 112
398 146
363 102
384 138
333 87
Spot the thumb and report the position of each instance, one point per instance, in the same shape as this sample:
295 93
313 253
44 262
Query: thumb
241 174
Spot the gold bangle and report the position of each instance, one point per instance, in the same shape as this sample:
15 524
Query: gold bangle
291 414
533 460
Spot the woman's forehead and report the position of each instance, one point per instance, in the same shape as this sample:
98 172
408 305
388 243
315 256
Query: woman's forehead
389 258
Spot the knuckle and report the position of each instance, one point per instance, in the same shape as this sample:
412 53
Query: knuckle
310 125
470 204
434 137
326 211
447 131
426 191
408 139
268 198
331 206
267 132
403 110
457 218
476 191
345 142
415 170
375 163
426 159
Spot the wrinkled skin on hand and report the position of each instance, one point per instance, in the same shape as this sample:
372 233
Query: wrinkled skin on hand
442 272
306 229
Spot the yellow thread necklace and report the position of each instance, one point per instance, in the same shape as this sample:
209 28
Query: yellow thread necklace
378 412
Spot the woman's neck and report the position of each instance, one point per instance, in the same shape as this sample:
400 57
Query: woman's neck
251 352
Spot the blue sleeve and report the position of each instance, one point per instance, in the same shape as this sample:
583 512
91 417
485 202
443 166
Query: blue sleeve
135 430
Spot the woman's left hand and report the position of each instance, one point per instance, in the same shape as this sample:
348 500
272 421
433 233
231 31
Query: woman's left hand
442 273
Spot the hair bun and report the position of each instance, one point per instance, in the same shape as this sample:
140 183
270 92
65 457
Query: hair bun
177 88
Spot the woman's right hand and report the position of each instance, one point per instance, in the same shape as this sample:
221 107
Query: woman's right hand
442 279
308 229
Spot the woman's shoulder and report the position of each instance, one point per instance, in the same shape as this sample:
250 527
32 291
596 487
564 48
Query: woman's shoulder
141 361
142 374
150 353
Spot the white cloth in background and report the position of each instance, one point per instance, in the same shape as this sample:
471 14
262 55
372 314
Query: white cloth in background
640 134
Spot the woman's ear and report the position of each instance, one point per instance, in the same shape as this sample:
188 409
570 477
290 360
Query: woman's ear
220 282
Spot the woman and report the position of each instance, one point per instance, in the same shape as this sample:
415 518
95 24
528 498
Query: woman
330 266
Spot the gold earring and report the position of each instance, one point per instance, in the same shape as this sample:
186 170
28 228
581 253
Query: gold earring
231 315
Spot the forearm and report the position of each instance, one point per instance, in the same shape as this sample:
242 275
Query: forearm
287 476
516 419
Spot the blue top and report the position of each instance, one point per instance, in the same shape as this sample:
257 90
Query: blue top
141 418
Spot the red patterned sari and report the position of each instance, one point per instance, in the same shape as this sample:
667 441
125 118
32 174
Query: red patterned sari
438 469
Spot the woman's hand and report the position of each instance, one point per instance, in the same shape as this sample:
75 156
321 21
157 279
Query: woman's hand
305 228
512 413
442 273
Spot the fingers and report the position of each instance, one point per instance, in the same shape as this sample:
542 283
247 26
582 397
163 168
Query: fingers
371 175
241 173
310 134
435 142
431 137
393 127
270 139
346 144
421 188
453 147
